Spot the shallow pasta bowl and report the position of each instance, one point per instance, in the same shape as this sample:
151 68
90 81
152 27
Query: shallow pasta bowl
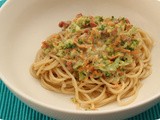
25 24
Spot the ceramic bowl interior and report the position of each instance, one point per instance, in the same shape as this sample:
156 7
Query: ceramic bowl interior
26 23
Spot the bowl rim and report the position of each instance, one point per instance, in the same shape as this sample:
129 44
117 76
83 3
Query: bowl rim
28 98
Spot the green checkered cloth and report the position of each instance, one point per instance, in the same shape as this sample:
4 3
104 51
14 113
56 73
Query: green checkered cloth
1 2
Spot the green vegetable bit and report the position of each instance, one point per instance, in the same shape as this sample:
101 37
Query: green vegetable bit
133 45
101 27
82 75
107 74
98 19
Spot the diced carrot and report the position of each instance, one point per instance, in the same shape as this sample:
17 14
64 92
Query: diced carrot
96 73
64 24
93 24
110 23
135 52
116 21
125 37
91 68
44 44
86 31
125 51
127 21
113 57
114 32
69 66
128 26
61 24
117 41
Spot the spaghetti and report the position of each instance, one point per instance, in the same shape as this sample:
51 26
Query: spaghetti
99 60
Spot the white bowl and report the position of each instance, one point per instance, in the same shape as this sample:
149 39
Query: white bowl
24 24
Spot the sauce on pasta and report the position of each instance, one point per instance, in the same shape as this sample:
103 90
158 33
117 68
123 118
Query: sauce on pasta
97 59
